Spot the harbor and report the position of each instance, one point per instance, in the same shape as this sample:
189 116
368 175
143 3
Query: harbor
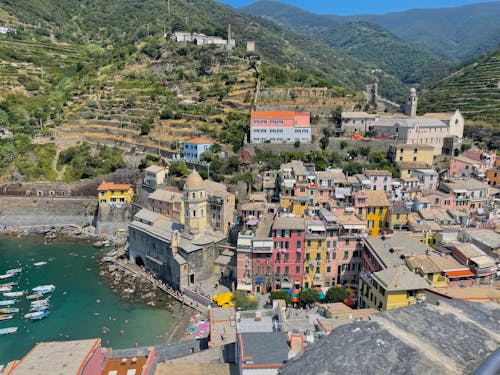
70 270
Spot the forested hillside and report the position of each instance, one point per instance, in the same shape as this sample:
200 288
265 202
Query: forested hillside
362 40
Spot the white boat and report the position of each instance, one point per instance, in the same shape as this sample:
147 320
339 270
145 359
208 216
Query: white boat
5 331
44 289
13 271
45 301
38 264
5 288
37 315
13 294
39 308
6 276
10 283
9 310
8 302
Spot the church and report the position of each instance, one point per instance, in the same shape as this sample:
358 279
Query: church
180 255
442 131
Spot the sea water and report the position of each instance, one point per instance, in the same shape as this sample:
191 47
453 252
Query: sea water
82 306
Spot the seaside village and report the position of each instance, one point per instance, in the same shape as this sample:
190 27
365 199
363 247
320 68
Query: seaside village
306 254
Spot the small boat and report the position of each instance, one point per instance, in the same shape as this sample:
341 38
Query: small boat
13 294
8 302
34 296
12 283
39 308
6 316
41 301
44 289
38 264
36 315
6 276
9 310
13 271
5 331
5 288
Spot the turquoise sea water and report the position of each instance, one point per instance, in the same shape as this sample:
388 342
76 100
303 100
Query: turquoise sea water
75 312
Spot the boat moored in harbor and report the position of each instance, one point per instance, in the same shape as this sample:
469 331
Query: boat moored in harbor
6 331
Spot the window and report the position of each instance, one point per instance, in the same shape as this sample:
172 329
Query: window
334 243
334 255
306 270
436 200
299 257
278 257
287 271
328 269
360 211
381 211
286 244
299 244
370 223
318 256
347 242
287 256
398 216
414 158
278 270
318 270
371 210
308 243
297 269
308 256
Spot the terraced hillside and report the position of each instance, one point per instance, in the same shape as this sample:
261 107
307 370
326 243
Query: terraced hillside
159 103
474 89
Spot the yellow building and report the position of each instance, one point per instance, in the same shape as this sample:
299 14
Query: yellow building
397 217
391 288
419 153
377 208
385 281
315 255
109 192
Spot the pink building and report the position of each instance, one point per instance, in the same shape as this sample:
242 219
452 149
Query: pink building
360 203
288 254
380 179
254 257
473 161
344 245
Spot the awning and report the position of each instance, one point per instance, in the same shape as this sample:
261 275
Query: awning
354 226
459 273
483 261
259 280
286 284
252 222
245 288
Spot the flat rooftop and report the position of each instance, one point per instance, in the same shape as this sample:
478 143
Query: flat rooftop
125 366
57 357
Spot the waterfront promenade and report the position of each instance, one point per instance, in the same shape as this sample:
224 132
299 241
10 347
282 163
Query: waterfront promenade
198 301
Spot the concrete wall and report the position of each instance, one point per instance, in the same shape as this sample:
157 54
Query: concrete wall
111 219
32 211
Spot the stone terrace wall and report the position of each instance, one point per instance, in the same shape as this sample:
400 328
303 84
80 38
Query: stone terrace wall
84 188
34 211
334 145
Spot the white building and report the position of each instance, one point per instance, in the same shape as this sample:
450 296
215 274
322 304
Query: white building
280 127
154 175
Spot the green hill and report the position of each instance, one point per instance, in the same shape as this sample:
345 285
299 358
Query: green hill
362 40
474 89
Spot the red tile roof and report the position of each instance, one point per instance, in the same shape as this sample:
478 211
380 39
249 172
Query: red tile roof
199 141
112 186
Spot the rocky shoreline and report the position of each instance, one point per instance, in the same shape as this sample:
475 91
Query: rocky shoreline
134 288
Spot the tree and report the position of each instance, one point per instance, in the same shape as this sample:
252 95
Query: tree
296 144
308 297
337 115
243 302
279 294
323 142
336 294
178 168
343 144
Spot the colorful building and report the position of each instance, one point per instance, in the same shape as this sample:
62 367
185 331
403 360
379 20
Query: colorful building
154 175
380 179
168 203
280 127
110 193
411 153
386 282
397 217
193 148
377 208
288 255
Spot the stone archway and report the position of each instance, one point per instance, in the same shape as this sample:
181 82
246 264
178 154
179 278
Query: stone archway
139 261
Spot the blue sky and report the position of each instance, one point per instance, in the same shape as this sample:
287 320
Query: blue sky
348 7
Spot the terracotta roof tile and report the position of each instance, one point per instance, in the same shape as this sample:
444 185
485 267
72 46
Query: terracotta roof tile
112 186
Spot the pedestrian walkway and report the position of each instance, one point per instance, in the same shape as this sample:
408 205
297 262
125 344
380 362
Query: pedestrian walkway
189 298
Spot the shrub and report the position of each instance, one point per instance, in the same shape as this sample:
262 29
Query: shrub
279 294
243 302
336 294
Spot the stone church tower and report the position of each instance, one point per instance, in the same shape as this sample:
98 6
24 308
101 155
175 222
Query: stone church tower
411 104
195 204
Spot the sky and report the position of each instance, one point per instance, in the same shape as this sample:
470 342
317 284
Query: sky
349 7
